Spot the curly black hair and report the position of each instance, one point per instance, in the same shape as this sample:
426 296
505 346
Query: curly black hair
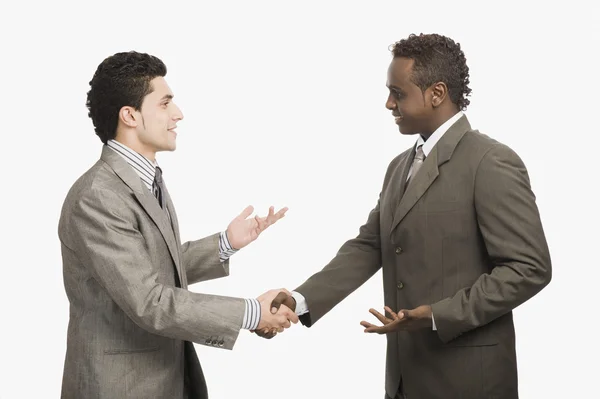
437 58
122 79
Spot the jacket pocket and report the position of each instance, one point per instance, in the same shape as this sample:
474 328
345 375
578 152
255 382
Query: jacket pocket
127 351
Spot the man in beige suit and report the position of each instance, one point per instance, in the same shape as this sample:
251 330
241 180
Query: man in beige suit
126 272
457 233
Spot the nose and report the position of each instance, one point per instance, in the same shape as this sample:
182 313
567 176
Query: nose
390 103
177 115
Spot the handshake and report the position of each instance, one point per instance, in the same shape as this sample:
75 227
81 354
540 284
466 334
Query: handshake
277 313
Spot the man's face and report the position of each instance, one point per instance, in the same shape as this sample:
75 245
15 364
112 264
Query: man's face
406 100
159 117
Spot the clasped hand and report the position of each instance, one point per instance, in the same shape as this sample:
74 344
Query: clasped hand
276 314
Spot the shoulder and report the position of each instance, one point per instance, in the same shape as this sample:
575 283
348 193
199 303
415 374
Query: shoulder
486 150
98 187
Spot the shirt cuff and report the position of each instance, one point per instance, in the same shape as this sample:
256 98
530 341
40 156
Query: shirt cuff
225 248
301 306
251 315
433 323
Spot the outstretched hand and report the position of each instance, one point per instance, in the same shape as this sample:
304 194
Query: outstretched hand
404 320
242 231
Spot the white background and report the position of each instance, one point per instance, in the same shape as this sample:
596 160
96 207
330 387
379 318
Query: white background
284 106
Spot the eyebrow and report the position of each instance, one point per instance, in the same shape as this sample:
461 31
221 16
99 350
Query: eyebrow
167 97
395 88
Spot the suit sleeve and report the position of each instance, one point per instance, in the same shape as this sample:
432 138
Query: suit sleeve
103 229
201 260
511 229
356 261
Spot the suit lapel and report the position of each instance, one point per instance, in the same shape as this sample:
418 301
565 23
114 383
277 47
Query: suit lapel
429 172
146 200
419 184
399 179
175 229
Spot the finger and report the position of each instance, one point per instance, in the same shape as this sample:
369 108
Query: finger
267 335
370 328
366 324
381 317
277 301
246 212
396 325
389 328
261 223
374 329
281 212
289 314
272 218
391 312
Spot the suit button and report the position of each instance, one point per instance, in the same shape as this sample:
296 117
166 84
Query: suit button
208 341
400 285
398 250
221 343
214 342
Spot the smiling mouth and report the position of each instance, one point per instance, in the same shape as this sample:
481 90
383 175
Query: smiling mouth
398 118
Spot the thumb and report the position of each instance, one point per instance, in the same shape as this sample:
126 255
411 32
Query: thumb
277 301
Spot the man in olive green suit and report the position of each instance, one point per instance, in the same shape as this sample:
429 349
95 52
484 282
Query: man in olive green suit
457 233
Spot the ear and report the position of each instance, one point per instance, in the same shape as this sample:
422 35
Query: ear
129 116
439 92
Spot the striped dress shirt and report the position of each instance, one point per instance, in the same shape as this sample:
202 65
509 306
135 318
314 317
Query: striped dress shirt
146 170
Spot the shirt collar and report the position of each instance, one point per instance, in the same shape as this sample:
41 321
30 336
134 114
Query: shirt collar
437 135
145 168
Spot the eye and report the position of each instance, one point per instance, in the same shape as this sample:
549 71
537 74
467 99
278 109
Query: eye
397 94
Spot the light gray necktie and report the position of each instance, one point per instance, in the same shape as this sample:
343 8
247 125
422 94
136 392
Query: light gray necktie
417 163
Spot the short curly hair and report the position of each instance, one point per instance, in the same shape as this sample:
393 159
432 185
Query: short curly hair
437 58
122 79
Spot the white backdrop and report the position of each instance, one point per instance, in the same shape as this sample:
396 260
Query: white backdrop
284 106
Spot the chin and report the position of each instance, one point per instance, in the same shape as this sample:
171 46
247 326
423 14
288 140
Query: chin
406 132
171 146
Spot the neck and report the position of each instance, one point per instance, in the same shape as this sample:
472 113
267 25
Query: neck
135 145
438 121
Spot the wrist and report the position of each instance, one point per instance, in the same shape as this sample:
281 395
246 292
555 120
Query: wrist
227 237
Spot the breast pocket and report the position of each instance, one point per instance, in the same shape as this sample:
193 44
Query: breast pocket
443 206
442 222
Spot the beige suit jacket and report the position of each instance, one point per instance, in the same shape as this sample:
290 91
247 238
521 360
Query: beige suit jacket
132 320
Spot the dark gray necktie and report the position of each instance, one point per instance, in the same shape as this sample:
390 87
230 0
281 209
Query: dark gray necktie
158 188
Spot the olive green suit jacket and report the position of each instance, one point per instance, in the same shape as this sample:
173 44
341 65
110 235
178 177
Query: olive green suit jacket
466 238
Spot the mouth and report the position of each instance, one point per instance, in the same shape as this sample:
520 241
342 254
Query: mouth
398 118
172 130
